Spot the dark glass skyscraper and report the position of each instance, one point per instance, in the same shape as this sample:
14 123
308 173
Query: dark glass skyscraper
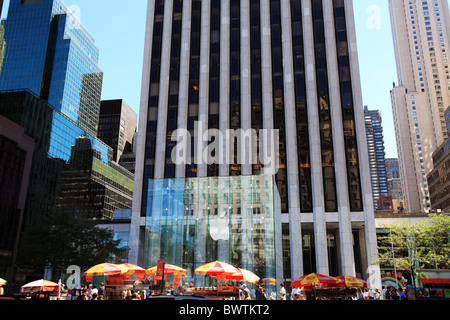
377 155
49 52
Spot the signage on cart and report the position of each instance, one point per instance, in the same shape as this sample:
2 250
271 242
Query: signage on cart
159 270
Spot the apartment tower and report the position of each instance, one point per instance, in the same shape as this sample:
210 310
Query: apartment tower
420 32
287 65
375 145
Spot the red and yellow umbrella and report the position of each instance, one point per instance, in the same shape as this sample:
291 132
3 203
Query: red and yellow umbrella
216 268
244 275
313 279
106 269
350 282
39 286
168 269
270 281
134 269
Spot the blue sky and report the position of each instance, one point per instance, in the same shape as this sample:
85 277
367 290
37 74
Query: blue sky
118 28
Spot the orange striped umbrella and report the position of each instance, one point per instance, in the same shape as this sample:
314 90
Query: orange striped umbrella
270 281
242 274
105 269
350 282
39 286
216 268
168 269
313 279
134 269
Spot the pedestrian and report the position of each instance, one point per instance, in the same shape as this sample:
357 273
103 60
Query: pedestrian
387 294
101 290
401 294
282 295
384 293
371 294
245 293
89 291
259 295
366 294
377 294
129 295
294 293
394 295
359 294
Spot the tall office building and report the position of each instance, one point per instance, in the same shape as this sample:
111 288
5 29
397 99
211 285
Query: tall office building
117 126
420 32
375 144
394 183
280 65
49 52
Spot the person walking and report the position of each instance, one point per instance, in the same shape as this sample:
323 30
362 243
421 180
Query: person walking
359 294
401 294
384 293
282 295
259 295
245 293
366 294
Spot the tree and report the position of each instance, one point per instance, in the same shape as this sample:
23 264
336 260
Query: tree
62 240
415 246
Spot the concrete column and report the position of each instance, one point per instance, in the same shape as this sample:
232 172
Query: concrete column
319 216
345 225
161 131
203 108
183 94
266 65
224 94
246 121
373 272
291 143
141 137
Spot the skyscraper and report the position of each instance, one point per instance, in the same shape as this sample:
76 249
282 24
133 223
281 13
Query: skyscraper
49 52
375 143
117 126
420 32
284 65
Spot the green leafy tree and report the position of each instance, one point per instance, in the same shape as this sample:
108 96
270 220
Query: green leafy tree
415 246
62 240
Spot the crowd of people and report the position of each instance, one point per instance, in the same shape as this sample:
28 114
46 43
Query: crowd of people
85 292
91 292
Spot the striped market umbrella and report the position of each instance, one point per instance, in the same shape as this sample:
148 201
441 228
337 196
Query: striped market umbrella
134 269
350 282
216 268
106 269
168 269
242 274
313 279
269 281
39 286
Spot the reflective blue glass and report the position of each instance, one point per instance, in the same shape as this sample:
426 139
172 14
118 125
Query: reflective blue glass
49 52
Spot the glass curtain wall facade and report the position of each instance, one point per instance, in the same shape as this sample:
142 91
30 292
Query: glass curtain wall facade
72 172
285 65
49 52
194 221
377 159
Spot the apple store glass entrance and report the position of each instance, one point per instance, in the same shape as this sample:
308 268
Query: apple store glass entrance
194 221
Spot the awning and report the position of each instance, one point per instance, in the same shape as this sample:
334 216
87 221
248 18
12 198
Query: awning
435 280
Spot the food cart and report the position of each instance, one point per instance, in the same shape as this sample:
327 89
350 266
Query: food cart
220 292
